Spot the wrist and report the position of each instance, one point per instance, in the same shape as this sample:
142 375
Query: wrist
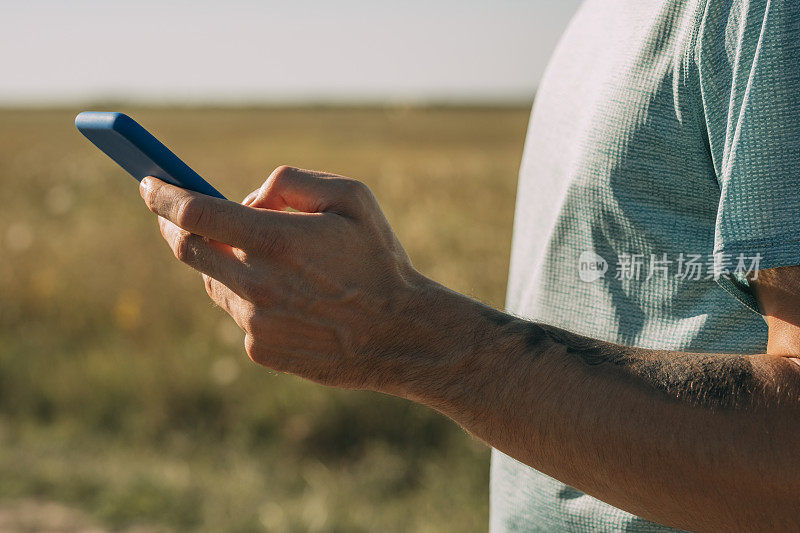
432 340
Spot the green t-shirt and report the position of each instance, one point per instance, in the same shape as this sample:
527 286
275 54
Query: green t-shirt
663 158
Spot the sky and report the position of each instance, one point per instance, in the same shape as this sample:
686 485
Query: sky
248 51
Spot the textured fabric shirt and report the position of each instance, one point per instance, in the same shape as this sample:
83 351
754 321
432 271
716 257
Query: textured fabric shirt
665 135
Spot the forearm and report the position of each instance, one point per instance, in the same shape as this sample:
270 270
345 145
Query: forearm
691 440
329 294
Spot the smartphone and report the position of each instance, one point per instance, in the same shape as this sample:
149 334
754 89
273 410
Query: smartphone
133 148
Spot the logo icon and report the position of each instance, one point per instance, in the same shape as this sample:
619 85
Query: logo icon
591 266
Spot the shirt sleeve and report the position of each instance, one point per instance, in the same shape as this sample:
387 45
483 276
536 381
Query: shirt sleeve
748 57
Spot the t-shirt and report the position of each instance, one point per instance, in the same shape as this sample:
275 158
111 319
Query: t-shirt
662 161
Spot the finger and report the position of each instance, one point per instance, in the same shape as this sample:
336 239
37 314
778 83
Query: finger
242 311
207 257
221 220
250 197
220 294
312 192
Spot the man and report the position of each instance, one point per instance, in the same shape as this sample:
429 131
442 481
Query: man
664 131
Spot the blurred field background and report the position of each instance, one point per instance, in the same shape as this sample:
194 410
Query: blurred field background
125 394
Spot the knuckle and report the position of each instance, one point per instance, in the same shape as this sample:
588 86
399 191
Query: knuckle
357 188
282 173
246 289
256 350
208 282
184 247
191 212
357 193
251 347
250 319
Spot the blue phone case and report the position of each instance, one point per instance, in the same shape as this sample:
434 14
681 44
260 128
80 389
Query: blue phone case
133 148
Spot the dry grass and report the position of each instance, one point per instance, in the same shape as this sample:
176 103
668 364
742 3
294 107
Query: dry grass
125 393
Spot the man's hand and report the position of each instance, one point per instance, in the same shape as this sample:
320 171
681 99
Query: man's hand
317 291
695 441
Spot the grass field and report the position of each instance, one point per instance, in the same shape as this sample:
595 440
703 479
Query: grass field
125 394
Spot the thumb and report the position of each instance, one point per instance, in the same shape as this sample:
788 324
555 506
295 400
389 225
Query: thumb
309 191
250 197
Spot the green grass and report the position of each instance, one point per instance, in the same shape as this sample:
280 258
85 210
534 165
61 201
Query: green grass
126 393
